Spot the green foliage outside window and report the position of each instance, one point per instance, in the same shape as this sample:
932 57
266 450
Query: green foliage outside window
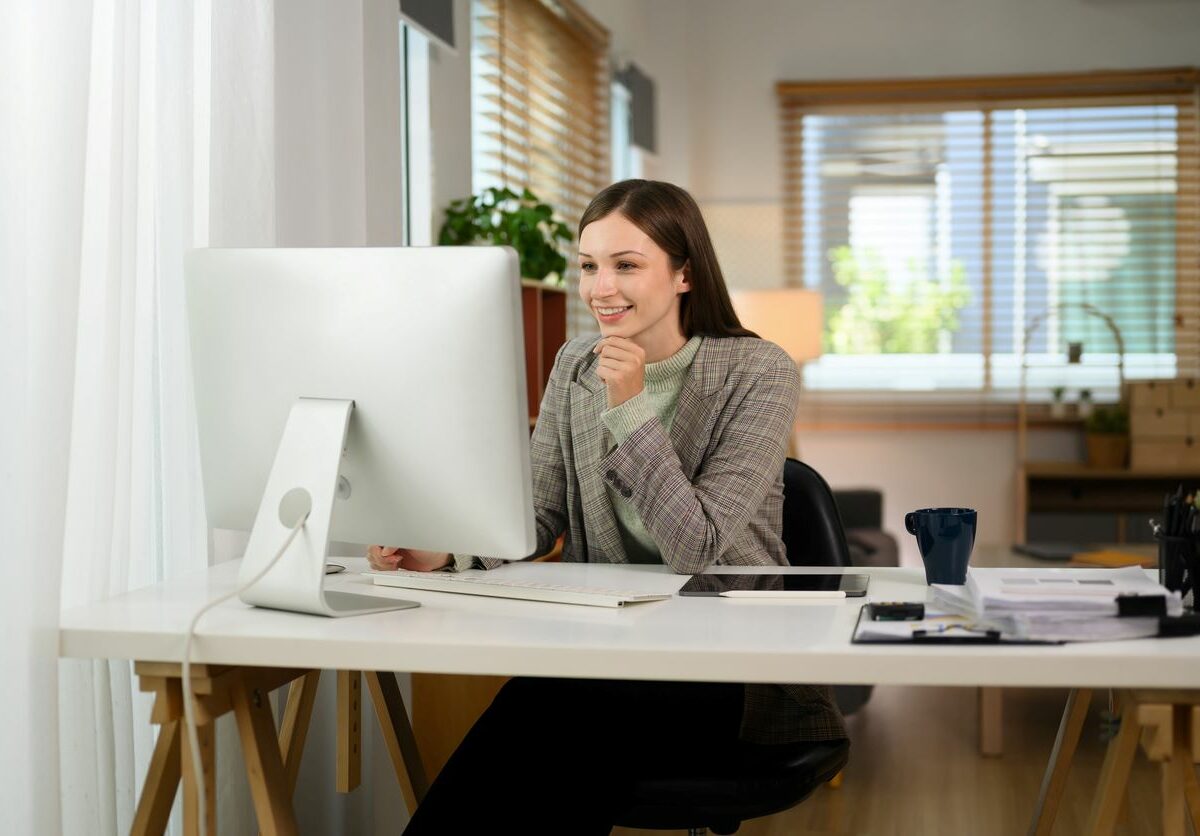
882 316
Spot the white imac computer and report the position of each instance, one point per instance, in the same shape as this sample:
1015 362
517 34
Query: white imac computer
380 391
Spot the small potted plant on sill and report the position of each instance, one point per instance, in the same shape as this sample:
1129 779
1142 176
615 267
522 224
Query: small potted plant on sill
1107 436
1086 405
502 217
1058 407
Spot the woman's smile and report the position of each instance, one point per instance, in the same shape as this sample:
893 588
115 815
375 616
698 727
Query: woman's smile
610 314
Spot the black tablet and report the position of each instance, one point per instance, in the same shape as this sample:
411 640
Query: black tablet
854 586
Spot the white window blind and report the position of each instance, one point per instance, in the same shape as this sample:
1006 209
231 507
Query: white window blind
941 218
540 118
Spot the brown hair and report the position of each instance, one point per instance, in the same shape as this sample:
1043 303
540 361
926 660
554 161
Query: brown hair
670 216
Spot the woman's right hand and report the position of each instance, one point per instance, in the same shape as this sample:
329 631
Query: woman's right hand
386 558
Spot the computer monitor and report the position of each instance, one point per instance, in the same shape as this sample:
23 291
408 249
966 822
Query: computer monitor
380 389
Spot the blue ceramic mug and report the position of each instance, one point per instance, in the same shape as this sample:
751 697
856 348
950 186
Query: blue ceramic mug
945 537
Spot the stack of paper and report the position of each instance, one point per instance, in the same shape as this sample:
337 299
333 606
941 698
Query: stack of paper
1056 604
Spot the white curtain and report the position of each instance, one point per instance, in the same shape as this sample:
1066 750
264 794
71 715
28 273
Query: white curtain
43 106
134 514
122 123
130 131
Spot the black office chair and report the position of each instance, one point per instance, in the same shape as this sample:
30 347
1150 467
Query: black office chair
815 535
773 778
812 526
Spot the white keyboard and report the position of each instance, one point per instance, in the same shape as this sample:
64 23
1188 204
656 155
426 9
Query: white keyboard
480 583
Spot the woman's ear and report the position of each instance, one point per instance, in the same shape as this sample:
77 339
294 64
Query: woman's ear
683 278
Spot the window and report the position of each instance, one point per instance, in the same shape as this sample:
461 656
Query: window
626 158
540 108
940 218
417 182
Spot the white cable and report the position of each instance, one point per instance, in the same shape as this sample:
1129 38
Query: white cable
189 710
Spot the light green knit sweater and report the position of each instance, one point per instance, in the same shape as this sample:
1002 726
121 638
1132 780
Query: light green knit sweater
663 383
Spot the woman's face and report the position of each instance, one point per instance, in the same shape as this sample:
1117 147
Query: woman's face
627 282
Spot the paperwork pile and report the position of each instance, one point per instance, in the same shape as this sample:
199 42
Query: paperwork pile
1056 604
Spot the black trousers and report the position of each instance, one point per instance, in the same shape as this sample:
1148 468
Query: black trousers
561 755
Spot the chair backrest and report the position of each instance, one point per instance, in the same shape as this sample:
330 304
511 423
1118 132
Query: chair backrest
812 526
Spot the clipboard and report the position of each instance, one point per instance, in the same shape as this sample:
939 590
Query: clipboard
904 626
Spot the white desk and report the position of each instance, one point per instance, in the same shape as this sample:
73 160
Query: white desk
707 639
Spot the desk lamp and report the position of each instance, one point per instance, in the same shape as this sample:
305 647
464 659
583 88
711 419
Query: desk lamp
790 317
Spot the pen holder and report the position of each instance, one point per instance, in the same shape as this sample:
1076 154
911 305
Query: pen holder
1179 565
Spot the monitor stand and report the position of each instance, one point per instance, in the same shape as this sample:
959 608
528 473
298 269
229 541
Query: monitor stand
304 479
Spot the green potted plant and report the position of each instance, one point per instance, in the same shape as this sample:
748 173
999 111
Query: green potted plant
502 217
1107 435
1058 408
1086 405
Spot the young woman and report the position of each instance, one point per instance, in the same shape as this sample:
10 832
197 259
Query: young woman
660 441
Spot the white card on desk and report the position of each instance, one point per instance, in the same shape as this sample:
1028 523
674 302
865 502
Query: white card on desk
792 594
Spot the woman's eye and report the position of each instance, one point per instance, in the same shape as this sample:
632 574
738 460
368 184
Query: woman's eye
587 267
625 265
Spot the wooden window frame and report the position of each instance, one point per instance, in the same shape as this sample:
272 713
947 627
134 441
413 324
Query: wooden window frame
1176 85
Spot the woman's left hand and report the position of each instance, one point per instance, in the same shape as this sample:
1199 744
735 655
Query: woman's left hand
622 367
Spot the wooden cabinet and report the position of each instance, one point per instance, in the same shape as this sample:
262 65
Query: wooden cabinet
545 310
1164 418
1164 424
444 707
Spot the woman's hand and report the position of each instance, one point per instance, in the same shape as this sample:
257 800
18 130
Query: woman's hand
622 367
386 558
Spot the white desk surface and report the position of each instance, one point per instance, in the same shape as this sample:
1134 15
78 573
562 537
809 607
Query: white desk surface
709 639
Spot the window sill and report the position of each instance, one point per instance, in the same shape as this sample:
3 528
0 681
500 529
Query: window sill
935 411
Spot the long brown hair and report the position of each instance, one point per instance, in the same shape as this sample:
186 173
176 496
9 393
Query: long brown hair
670 216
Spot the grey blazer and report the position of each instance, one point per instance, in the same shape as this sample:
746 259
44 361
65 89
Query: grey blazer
710 491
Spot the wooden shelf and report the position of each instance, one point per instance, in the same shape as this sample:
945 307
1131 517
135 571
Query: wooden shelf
1051 421
1073 487
1077 470
544 308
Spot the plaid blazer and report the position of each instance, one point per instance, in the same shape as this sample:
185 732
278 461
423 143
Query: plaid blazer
709 492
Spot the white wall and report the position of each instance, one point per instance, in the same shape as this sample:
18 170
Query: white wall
652 34
735 52
450 115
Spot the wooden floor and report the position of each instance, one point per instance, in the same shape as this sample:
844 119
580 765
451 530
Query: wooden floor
915 769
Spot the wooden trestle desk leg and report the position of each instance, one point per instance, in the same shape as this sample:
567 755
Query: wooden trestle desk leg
399 737
1054 782
1175 749
349 730
217 690
1114 775
1191 788
162 779
1166 721
208 764
293 731
272 759
1172 774
264 765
